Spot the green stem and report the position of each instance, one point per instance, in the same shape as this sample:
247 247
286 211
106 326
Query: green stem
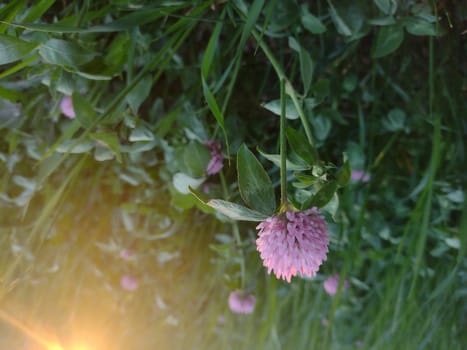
283 148
236 232
269 55
293 94
131 56
288 87
435 159
231 84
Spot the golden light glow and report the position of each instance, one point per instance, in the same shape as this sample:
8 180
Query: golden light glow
46 344
74 347
81 347
55 347
26 330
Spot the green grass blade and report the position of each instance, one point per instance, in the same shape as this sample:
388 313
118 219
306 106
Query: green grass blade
251 19
9 12
214 107
36 11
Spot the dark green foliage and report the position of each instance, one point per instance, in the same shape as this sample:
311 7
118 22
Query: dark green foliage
372 86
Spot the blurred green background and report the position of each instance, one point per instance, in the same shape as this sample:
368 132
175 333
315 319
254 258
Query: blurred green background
380 84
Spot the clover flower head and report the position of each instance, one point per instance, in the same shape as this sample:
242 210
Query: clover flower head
129 283
217 157
66 106
294 243
331 284
241 303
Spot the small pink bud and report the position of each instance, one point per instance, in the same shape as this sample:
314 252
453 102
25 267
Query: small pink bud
331 284
217 157
241 303
129 283
127 254
359 175
66 105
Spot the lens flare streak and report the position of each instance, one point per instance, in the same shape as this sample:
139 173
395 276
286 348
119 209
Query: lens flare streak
29 332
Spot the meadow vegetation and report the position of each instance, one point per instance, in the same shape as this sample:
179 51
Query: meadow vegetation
142 142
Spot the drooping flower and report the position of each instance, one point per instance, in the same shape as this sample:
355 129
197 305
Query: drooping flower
129 283
359 175
241 303
215 163
66 106
293 244
332 283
